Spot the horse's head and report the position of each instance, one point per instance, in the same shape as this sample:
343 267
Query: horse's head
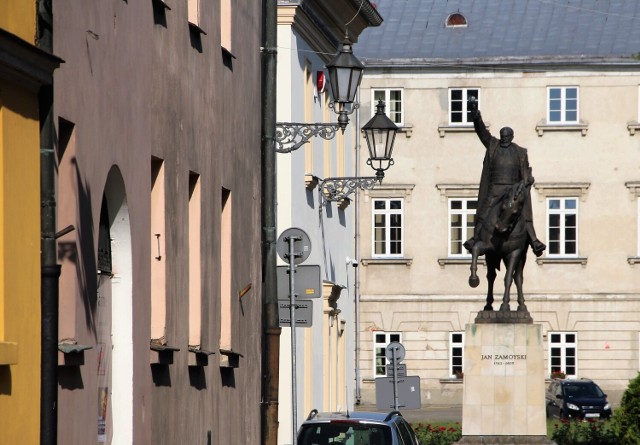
510 208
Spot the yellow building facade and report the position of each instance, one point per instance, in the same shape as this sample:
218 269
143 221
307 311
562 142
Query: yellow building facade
23 69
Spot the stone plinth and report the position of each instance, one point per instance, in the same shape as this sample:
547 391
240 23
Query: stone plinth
503 401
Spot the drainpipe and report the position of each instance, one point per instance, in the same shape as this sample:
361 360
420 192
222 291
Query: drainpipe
356 278
270 323
50 270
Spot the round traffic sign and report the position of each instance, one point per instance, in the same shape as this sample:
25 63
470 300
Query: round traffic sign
399 351
301 245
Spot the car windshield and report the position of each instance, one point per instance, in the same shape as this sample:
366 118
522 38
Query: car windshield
575 390
344 434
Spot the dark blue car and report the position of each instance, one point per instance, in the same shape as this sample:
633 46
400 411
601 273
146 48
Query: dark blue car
576 399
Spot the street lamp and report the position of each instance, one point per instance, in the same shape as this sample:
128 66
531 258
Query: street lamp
345 73
380 134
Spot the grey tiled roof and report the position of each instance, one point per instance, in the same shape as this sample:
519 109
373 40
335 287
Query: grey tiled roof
503 30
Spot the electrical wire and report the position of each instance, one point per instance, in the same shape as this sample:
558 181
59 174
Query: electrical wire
357 12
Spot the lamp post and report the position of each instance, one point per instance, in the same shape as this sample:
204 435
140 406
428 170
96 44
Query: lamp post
345 73
380 134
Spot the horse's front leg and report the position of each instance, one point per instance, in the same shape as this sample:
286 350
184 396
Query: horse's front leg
509 263
474 281
491 277
518 278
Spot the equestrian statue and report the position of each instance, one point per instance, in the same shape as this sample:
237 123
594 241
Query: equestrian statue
503 228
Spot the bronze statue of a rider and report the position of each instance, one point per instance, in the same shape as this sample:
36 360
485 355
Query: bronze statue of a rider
504 165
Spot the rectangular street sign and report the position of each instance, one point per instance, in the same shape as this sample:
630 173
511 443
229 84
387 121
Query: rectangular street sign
408 393
304 313
306 281
401 370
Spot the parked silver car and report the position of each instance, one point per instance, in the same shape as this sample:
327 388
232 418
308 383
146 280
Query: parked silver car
356 428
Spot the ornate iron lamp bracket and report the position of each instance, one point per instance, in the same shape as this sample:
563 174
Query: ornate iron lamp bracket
336 189
292 135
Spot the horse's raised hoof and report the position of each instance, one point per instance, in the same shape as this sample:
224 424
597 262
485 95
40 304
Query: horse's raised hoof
474 281
504 307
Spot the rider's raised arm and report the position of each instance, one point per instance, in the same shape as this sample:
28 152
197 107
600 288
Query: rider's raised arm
481 129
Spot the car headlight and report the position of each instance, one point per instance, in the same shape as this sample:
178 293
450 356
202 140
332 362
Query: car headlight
607 407
573 407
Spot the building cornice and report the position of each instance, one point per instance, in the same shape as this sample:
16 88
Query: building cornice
24 64
301 23
558 63
324 23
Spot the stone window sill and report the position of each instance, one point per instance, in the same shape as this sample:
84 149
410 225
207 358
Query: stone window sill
634 188
450 261
162 354
229 358
460 128
70 353
8 353
199 356
451 381
562 260
386 261
406 129
196 28
444 129
582 127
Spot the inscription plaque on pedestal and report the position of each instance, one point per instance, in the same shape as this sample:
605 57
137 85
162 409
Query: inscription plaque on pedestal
504 384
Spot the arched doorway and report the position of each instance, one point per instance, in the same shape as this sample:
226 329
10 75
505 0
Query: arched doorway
114 316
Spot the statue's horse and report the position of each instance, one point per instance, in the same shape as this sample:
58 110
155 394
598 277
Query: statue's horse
503 238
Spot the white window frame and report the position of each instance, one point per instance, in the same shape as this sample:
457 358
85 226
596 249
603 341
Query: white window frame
465 97
563 345
377 345
387 104
562 212
638 118
563 105
453 345
465 214
638 226
387 229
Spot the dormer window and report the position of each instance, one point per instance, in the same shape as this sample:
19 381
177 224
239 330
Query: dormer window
456 20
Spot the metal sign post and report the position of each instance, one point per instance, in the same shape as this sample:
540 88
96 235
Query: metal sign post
292 311
397 390
395 381
286 248
395 353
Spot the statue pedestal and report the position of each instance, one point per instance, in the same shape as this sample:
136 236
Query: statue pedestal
504 378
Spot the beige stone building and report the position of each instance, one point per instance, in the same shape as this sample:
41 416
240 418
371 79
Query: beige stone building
565 79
